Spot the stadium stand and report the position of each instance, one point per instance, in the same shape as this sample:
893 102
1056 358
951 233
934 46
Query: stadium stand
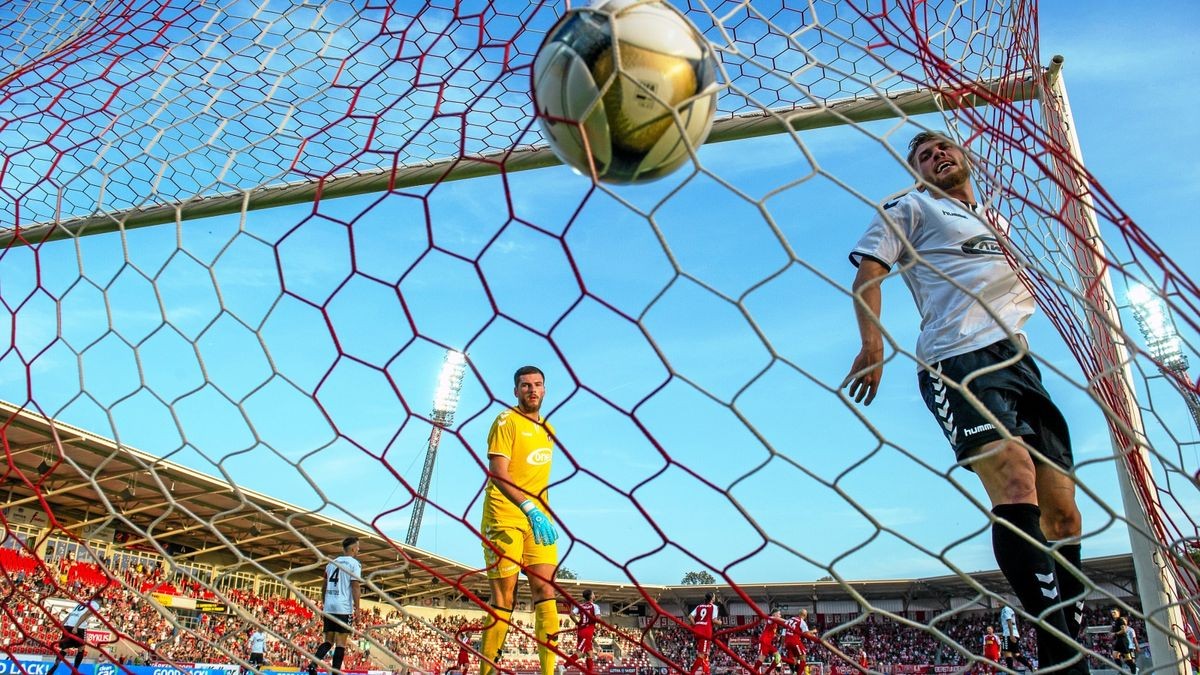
420 643
154 606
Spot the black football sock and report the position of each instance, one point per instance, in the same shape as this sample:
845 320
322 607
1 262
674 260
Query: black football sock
78 658
1071 587
323 650
1030 572
339 654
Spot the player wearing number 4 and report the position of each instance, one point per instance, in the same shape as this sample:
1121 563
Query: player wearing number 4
342 580
973 306
518 533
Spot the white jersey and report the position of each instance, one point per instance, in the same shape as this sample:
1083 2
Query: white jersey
933 237
1008 617
338 575
258 642
81 616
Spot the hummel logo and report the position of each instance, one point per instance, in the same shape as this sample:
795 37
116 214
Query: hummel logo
1044 578
952 213
982 427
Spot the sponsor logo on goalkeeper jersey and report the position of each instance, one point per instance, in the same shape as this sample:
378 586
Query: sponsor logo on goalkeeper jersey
984 244
540 456
954 214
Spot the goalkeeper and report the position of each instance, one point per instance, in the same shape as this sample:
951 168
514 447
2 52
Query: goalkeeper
1008 431
518 532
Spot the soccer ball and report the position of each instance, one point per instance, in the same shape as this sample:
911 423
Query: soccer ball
623 88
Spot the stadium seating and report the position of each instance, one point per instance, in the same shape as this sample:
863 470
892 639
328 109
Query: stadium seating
27 628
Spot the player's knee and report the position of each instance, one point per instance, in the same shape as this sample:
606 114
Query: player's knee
1061 522
540 589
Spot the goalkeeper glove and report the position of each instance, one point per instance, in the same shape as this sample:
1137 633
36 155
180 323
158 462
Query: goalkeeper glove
544 533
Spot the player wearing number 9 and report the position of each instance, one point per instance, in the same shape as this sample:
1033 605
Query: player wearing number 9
517 529
343 577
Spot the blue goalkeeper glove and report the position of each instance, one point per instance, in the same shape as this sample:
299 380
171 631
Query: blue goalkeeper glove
544 533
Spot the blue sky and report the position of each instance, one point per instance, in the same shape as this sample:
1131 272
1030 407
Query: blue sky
203 386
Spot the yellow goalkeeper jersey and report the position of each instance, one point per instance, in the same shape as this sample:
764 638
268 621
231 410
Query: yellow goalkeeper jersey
529 449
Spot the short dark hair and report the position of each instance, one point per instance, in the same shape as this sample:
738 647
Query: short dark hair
587 595
348 542
527 370
922 138
708 597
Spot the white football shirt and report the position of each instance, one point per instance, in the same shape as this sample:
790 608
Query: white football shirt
932 238
81 616
258 642
338 575
1007 617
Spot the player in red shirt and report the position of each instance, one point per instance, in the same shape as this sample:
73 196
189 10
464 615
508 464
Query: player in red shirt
795 652
703 619
863 660
463 637
991 649
768 653
584 617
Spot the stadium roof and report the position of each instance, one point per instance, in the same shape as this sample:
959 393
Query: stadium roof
86 484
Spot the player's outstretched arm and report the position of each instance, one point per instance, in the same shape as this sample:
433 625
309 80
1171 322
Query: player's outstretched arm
867 369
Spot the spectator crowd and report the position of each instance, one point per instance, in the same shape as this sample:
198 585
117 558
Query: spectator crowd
27 626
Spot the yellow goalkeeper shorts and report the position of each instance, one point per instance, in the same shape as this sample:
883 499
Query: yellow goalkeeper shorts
507 547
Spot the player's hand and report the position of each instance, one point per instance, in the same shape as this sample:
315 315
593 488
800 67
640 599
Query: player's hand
865 375
544 533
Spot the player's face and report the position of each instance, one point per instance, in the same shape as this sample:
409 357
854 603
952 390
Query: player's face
942 163
530 391
989 630
353 550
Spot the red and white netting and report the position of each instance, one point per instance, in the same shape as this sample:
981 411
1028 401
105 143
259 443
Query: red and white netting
241 236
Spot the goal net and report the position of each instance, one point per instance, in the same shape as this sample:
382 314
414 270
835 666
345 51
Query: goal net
238 241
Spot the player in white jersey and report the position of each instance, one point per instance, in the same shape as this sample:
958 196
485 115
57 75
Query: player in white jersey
973 306
1010 640
343 577
74 636
258 648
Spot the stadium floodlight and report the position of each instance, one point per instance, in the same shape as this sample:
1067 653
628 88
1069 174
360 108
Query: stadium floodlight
1158 328
445 403
1163 342
445 398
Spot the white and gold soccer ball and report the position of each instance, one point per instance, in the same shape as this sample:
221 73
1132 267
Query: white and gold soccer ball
623 88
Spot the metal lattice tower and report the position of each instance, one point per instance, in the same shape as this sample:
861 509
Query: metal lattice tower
445 402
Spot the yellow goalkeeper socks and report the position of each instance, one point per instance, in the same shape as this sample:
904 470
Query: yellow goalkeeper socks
493 639
545 625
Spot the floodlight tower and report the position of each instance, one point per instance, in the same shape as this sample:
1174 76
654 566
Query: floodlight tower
1163 342
445 402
